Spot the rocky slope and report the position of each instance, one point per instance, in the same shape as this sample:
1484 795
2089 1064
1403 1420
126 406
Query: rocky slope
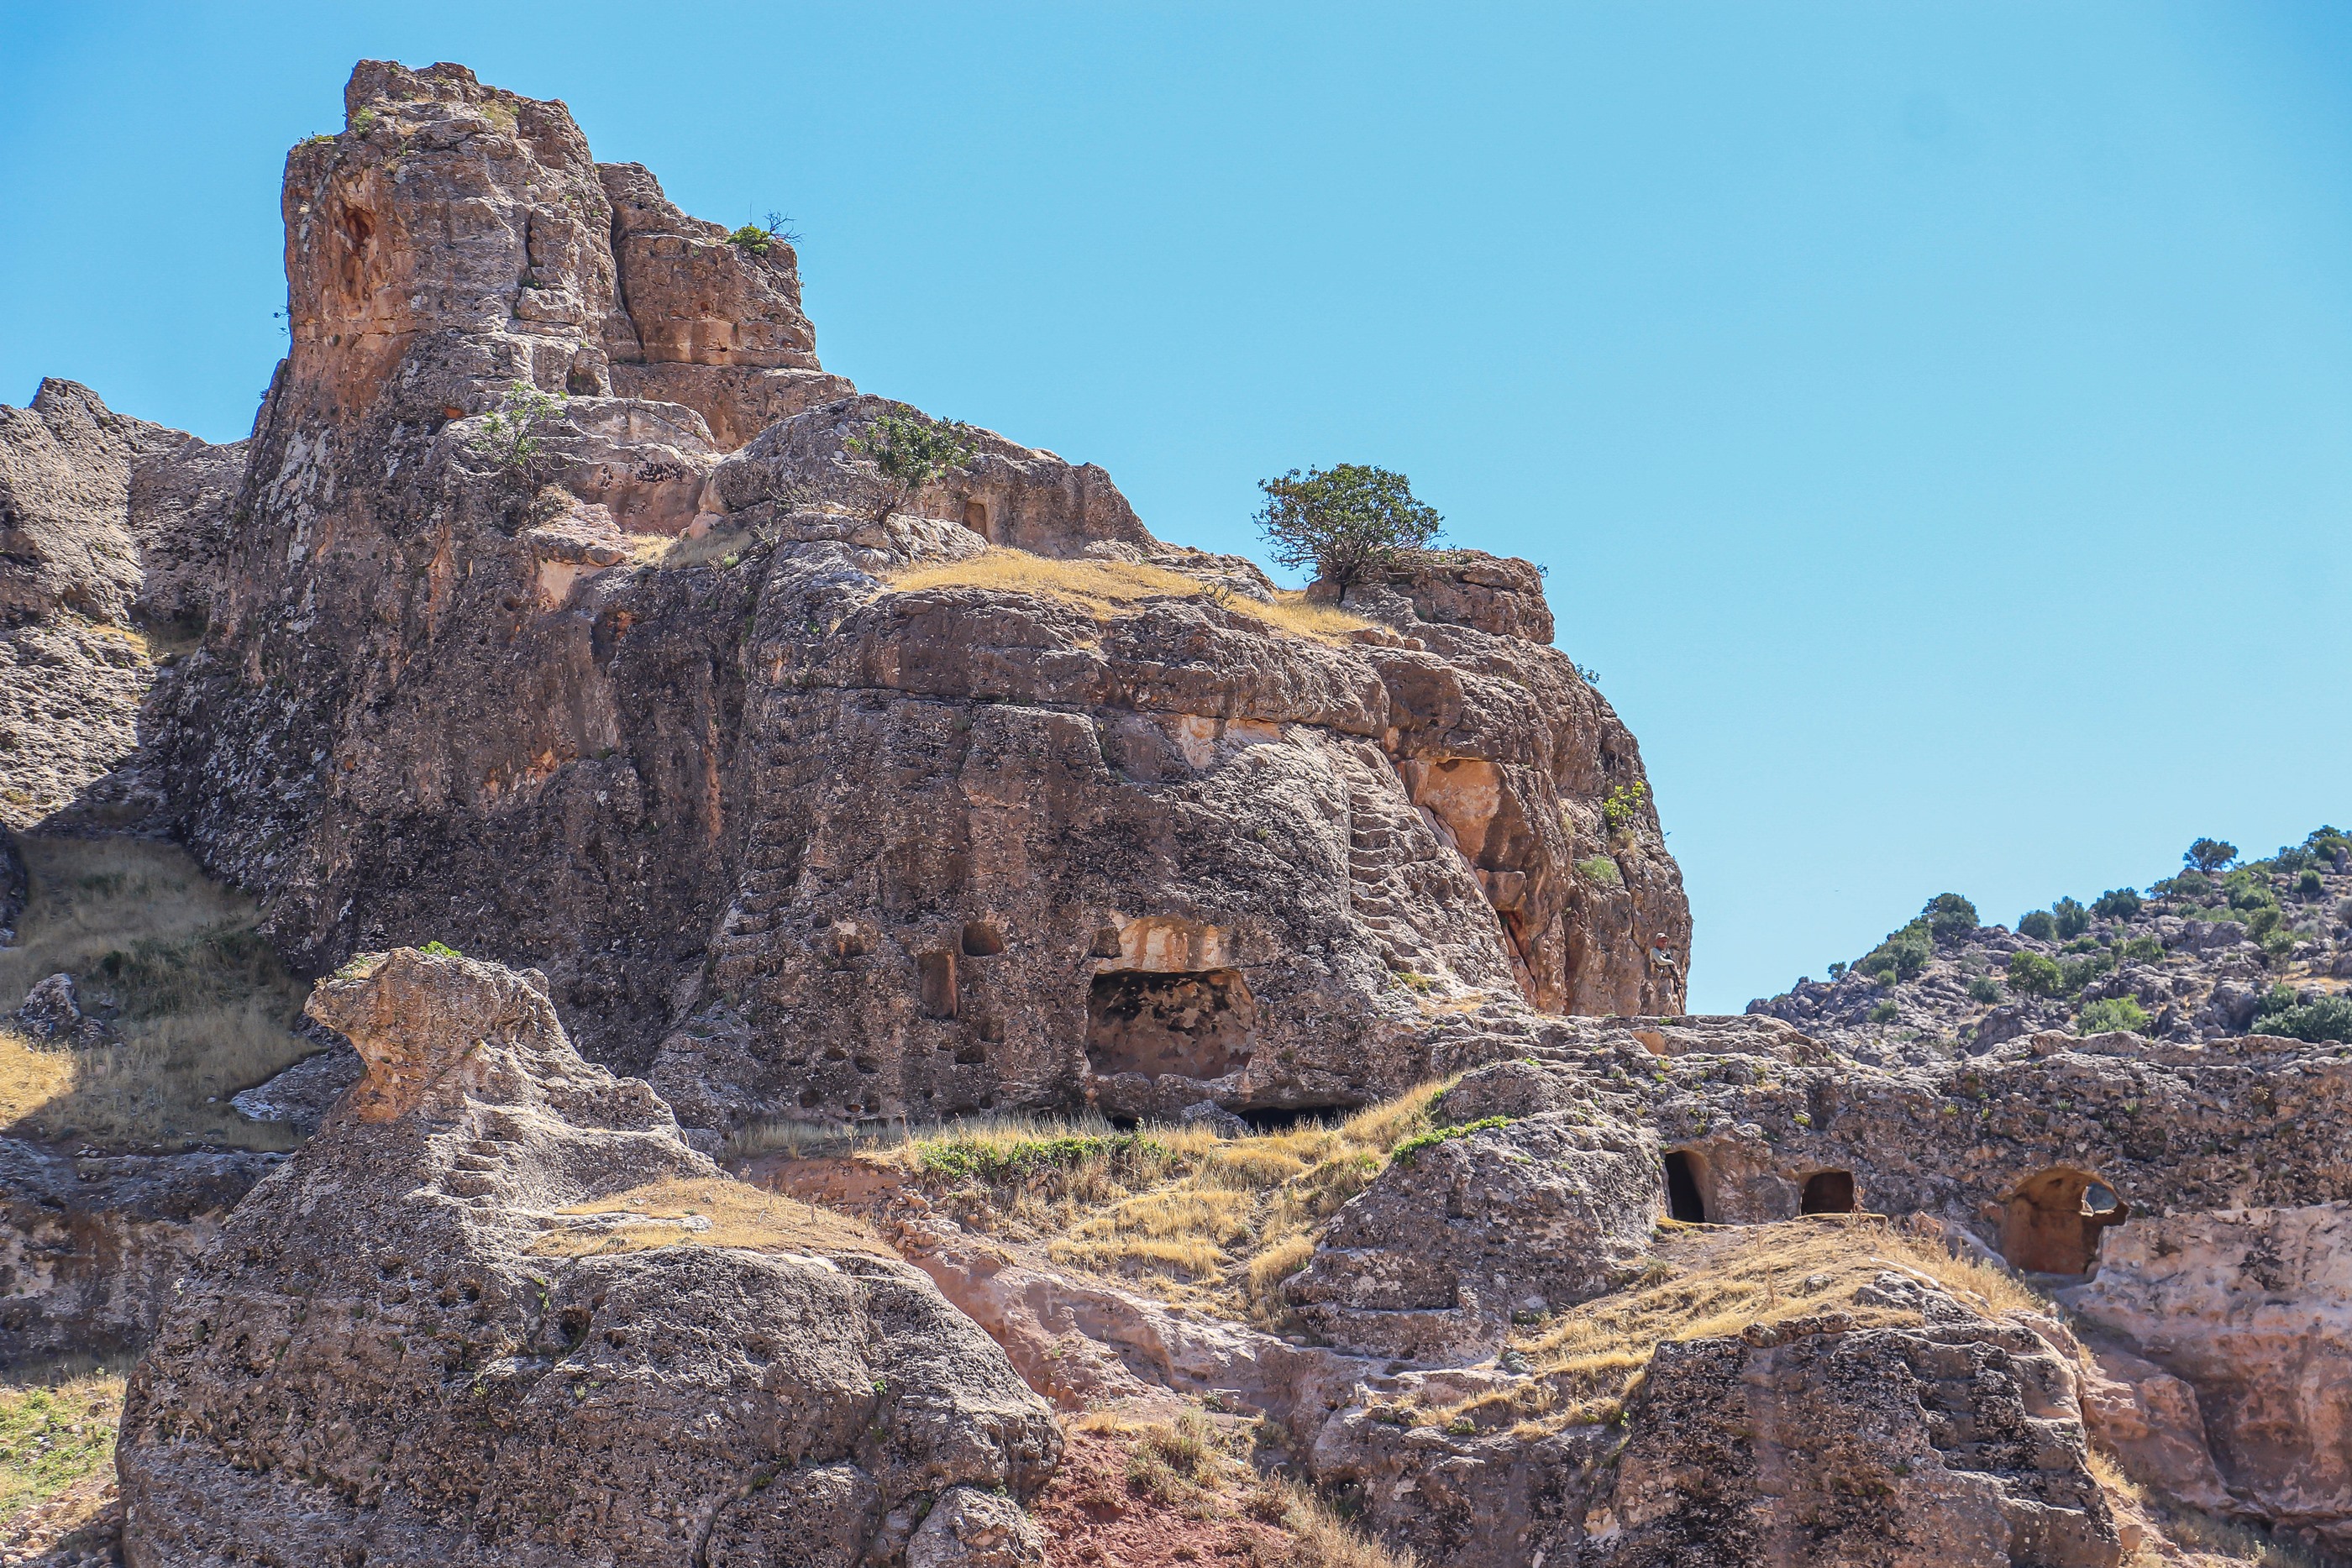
2198 957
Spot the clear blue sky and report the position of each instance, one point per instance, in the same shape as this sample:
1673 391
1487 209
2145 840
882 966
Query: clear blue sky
1936 419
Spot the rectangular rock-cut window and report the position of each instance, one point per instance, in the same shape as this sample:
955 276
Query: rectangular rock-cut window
1194 1024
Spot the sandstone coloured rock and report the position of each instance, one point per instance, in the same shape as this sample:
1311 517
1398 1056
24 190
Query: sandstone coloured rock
810 809
500 1313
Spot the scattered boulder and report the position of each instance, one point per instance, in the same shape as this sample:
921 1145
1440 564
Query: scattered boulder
52 1013
300 1097
498 1311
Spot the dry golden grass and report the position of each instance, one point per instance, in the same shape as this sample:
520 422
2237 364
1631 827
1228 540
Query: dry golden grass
205 1009
669 552
1216 1222
1101 588
1291 611
1704 1282
715 1211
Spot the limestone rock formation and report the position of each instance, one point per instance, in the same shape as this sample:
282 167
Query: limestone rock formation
809 806
501 1312
1460 1236
2250 1310
91 502
1957 1444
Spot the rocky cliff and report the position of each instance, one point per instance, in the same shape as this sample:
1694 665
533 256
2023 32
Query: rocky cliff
808 805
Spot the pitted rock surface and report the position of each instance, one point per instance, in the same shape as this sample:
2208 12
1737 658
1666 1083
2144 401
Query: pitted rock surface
791 839
379 1358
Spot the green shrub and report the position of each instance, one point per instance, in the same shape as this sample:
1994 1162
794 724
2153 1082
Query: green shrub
2248 891
2310 885
2326 843
2080 944
2071 918
909 450
999 1163
2075 973
1904 952
1348 522
1405 1151
2324 1018
440 950
1950 917
2262 920
759 239
2210 855
1885 1011
2344 911
2038 925
1623 806
2117 903
2112 1013
1600 871
2141 950
1984 989
2194 885
2032 975
2278 943
1837 970
509 436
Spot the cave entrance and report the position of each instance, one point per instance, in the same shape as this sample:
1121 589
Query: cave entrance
975 517
2051 1224
1827 1192
1683 1200
1287 1118
1193 1024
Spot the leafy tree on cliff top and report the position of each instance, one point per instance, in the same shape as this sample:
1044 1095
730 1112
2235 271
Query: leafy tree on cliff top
909 450
1347 522
2210 855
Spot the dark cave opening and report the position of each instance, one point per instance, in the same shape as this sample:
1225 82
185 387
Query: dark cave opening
1828 1192
1683 1200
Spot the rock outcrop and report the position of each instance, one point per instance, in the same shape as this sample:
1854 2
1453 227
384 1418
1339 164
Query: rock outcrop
835 808
106 523
501 1312
2250 1313
1957 1444
91 1245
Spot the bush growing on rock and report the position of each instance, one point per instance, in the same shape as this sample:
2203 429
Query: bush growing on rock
1885 1011
2032 975
2117 903
2038 925
2141 950
2309 885
1903 955
2112 1013
1984 989
2322 1017
2193 885
511 435
1347 522
910 450
1623 808
2071 918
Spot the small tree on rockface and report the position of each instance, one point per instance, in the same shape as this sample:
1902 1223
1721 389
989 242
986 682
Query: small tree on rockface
2210 855
2032 975
910 449
1347 522
511 437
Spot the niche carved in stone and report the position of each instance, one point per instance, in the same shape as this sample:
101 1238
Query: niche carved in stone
1194 1024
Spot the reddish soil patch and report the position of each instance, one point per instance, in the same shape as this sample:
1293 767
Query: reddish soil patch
1092 1518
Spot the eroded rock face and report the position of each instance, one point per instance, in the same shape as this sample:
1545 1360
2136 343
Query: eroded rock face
103 521
793 838
1958 1444
1434 1261
2254 1309
90 1246
394 1353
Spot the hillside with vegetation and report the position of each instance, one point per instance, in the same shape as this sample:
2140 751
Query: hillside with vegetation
2224 946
